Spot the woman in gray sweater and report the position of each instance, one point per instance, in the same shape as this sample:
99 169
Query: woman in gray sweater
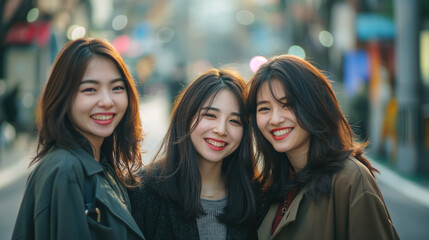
201 185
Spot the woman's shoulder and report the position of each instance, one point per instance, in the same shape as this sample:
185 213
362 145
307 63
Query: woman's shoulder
353 168
57 173
59 162
144 191
354 176
59 158
146 200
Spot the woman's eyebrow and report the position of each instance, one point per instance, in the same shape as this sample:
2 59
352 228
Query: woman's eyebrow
210 108
92 81
261 102
218 110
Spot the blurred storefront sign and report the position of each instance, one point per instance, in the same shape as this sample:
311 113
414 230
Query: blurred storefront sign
370 26
26 55
28 33
356 71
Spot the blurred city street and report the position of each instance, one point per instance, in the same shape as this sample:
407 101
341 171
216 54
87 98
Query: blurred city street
407 202
375 52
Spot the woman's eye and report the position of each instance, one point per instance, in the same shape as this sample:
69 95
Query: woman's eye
262 109
287 105
208 115
89 90
118 88
235 121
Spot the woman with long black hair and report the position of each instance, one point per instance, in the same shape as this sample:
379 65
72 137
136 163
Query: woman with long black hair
317 182
201 184
88 149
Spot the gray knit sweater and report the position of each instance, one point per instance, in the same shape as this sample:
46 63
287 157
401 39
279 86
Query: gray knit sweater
209 227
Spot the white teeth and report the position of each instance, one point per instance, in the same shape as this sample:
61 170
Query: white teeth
282 132
215 143
102 117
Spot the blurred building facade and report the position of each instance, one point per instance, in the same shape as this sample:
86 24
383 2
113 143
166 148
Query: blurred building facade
376 51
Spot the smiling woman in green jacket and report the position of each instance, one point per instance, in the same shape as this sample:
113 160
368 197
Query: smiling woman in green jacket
88 149
318 184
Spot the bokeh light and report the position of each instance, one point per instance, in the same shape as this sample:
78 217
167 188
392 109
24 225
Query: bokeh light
75 31
245 17
256 62
326 39
32 15
8 131
28 99
297 51
165 34
119 22
122 43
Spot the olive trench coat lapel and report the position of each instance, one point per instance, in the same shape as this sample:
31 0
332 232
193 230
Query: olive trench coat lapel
264 231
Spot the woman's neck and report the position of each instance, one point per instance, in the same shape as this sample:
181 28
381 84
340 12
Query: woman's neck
212 182
96 149
297 160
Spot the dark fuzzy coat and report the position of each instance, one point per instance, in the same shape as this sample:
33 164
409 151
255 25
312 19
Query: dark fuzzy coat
159 219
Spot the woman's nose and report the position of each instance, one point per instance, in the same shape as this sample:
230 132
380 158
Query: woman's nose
276 117
220 128
106 100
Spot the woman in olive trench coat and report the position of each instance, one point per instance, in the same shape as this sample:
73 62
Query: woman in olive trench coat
317 183
88 149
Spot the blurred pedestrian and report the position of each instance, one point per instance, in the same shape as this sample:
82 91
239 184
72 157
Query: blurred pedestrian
200 186
317 182
88 149
10 106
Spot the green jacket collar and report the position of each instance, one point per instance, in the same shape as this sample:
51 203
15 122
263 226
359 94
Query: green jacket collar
89 164
104 191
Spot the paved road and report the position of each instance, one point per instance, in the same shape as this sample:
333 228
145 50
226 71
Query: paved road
10 199
410 217
410 214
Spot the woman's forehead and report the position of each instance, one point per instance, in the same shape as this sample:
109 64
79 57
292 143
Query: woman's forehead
272 88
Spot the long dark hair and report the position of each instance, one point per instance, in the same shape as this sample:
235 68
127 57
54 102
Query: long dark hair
313 102
175 176
122 148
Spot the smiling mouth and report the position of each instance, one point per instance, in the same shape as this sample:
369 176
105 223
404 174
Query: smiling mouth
102 117
279 134
216 145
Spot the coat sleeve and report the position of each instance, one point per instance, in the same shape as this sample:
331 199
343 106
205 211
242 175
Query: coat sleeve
64 216
369 218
